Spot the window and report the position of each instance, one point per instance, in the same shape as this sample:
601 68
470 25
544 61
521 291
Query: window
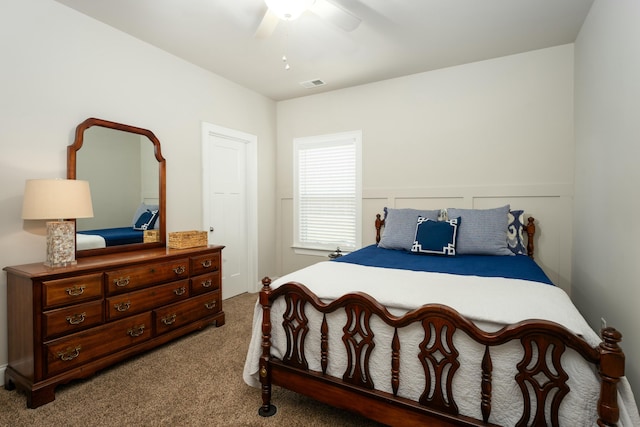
327 197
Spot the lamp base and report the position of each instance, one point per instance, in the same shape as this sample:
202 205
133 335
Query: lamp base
61 243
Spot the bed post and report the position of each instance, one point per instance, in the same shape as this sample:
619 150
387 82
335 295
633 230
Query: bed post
530 228
379 224
267 409
611 370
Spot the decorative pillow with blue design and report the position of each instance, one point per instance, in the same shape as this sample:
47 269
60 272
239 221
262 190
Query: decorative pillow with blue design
146 221
142 209
436 237
515 233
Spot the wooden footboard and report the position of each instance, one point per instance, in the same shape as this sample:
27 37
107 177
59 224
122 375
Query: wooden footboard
439 357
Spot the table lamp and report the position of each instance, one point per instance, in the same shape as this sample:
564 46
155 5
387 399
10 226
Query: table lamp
58 200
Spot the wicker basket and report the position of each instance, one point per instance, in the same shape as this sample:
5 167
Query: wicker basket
187 239
151 236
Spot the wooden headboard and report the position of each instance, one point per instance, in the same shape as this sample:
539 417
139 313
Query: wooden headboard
530 228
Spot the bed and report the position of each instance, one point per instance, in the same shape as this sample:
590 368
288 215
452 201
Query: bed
415 345
145 218
111 236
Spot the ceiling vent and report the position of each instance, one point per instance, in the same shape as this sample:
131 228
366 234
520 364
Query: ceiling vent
312 83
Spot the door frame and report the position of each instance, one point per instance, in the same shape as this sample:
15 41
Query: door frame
251 168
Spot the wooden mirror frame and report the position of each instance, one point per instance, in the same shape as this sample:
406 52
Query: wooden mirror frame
71 174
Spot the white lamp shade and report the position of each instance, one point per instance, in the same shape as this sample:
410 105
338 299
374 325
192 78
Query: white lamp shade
56 199
288 9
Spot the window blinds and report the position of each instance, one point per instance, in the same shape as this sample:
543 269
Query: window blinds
327 193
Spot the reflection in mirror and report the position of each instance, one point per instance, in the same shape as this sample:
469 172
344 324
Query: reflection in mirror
123 173
125 169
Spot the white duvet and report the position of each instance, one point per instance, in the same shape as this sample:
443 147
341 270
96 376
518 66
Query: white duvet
89 241
489 302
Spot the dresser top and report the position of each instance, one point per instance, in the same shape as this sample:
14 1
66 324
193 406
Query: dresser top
101 262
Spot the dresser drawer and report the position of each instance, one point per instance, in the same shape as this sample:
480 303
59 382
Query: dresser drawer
176 315
82 347
205 283
124 280
73 290
205 263
71 319
146 299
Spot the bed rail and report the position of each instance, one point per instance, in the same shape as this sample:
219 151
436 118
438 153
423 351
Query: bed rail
438 356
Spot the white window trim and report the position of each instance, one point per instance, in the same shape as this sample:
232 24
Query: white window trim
307 249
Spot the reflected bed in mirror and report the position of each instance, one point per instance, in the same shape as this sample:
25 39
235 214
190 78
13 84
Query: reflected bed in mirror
126 172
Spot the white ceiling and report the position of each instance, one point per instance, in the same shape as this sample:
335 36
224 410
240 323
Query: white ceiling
395 38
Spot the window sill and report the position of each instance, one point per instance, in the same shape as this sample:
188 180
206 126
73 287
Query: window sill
315 251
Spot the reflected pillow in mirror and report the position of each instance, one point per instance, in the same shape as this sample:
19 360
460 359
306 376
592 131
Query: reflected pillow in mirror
142 209
146 221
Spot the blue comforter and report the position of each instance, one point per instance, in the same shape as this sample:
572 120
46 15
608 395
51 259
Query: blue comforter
513 267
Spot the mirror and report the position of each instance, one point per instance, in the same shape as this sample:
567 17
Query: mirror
126 173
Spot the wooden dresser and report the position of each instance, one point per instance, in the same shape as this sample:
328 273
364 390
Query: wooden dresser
68 323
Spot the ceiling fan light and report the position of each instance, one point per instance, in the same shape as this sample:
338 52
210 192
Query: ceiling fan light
288 10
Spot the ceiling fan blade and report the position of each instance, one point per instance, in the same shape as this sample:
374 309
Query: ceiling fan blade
335 14
267 25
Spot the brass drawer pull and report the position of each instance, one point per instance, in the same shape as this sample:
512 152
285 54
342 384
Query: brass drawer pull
169 320
122 281
180 269
123 306
136 331
210 305
206 263
180 291
76 319
75 291
70 353
207 283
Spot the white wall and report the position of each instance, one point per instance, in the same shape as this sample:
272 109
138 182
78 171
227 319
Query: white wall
606 271
111 160
477 135
60 67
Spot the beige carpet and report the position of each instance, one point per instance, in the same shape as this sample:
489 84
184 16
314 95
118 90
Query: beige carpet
195 381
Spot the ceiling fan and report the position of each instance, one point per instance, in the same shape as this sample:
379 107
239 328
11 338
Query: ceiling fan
289 10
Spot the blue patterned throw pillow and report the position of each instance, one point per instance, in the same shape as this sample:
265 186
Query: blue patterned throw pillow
483 231
436 237
146 221
515 233
143 208
400 227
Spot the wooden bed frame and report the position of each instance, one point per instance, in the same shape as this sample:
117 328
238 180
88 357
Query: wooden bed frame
355 390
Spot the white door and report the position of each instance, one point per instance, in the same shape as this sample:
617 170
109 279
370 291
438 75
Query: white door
227 213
